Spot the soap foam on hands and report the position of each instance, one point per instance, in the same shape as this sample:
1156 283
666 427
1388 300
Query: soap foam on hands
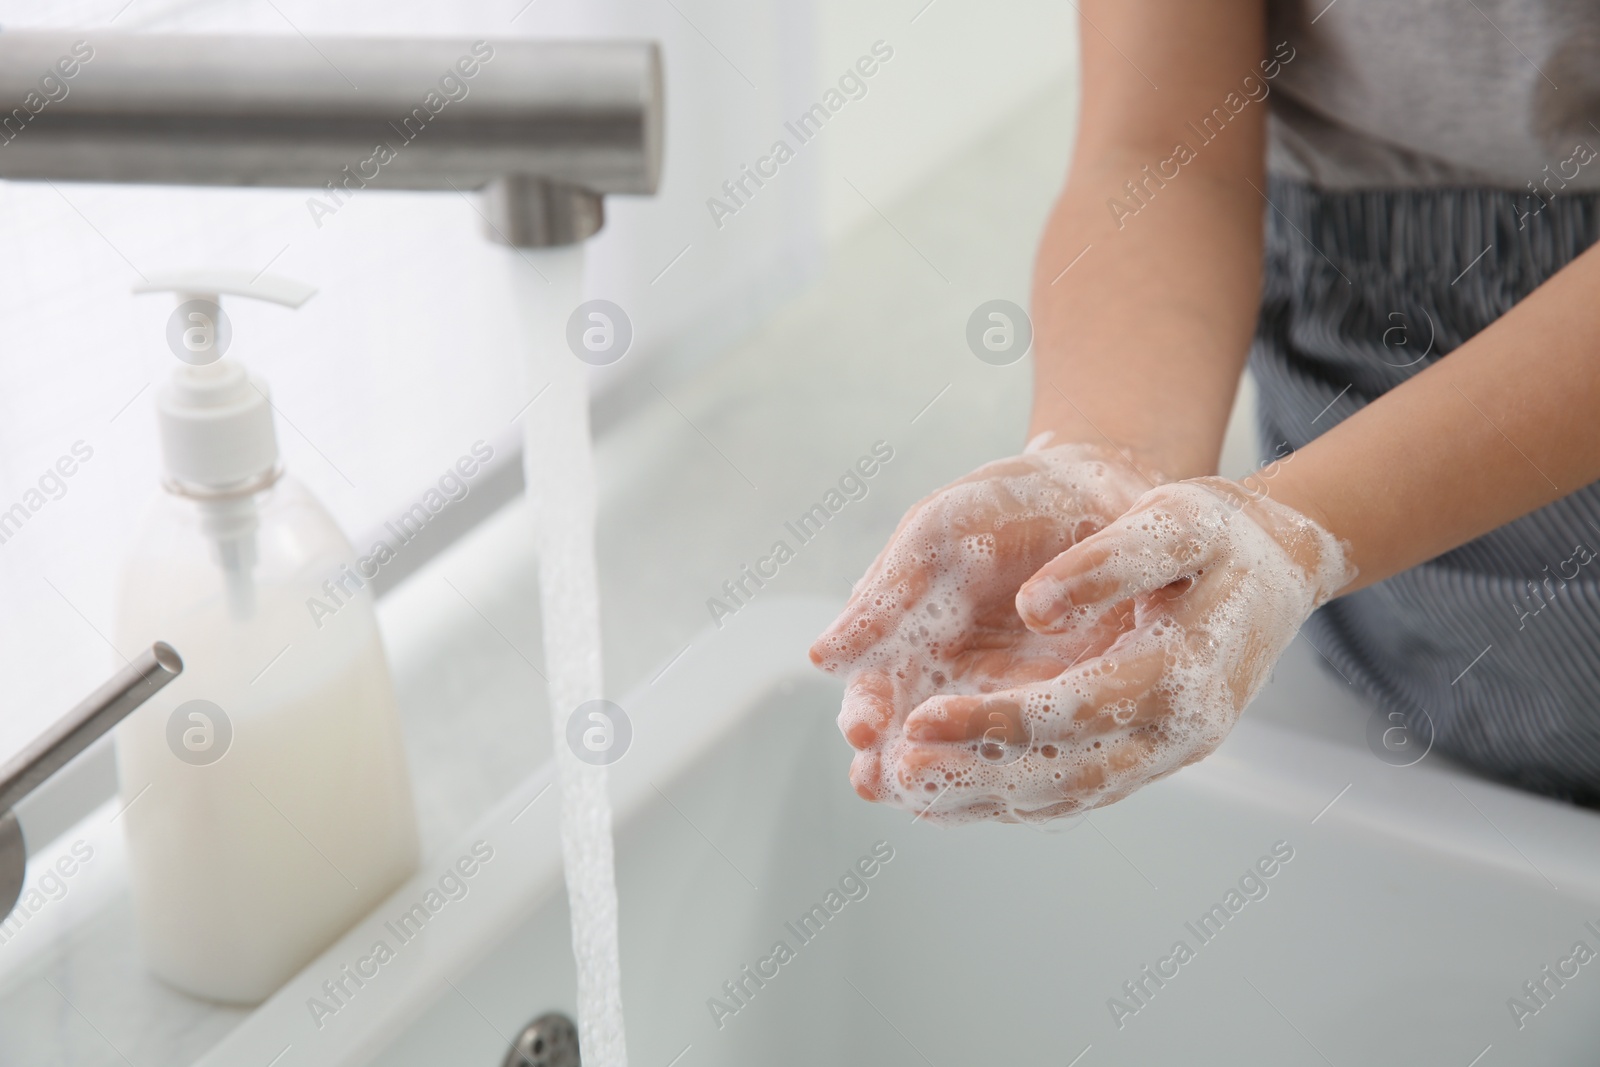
1058 745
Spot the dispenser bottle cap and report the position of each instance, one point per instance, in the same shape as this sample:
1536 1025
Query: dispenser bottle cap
215 417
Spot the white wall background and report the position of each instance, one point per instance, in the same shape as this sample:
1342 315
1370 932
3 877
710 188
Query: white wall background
959 67
407 354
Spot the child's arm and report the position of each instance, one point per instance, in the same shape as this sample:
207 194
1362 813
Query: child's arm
1143 314
1217 577
1507 423
1139 342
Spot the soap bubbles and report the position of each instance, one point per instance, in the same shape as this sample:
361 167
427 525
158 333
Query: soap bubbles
599 332
999 332
599 732
198 332
199 732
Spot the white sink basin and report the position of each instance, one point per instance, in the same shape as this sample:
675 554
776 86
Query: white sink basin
1412 908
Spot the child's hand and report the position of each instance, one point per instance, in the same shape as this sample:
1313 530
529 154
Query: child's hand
1177 610
1217 583
936 613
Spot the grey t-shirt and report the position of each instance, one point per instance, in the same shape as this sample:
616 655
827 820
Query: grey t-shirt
1405 93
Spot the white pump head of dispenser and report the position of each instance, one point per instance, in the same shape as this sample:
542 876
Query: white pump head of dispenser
217 434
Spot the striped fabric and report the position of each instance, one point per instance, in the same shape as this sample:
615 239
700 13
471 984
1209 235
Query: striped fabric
1496 643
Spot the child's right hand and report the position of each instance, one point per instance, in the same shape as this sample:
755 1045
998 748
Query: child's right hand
936 613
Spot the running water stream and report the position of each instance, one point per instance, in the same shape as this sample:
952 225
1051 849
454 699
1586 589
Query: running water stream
559 468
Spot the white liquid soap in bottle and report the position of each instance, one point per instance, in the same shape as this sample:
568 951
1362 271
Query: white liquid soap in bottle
267 801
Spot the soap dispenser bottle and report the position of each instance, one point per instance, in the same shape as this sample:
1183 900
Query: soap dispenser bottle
265 794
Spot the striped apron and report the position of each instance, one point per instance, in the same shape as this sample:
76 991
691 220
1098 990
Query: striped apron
1492 648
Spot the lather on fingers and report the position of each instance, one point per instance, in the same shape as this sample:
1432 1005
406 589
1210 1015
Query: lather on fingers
936 616
1212 585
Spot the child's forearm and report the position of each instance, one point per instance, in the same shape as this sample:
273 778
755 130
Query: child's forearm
1148 278
1507 423
1141 343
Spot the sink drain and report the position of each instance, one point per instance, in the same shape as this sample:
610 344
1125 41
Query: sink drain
551 1040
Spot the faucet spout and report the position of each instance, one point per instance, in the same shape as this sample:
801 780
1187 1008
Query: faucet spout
548 126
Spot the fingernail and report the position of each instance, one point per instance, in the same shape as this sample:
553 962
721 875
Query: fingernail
859 734
825 649
1040 603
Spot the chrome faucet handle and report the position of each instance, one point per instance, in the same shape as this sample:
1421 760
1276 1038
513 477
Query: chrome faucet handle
140 680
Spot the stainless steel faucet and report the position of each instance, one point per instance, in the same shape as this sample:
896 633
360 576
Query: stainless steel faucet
545 129
140 680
